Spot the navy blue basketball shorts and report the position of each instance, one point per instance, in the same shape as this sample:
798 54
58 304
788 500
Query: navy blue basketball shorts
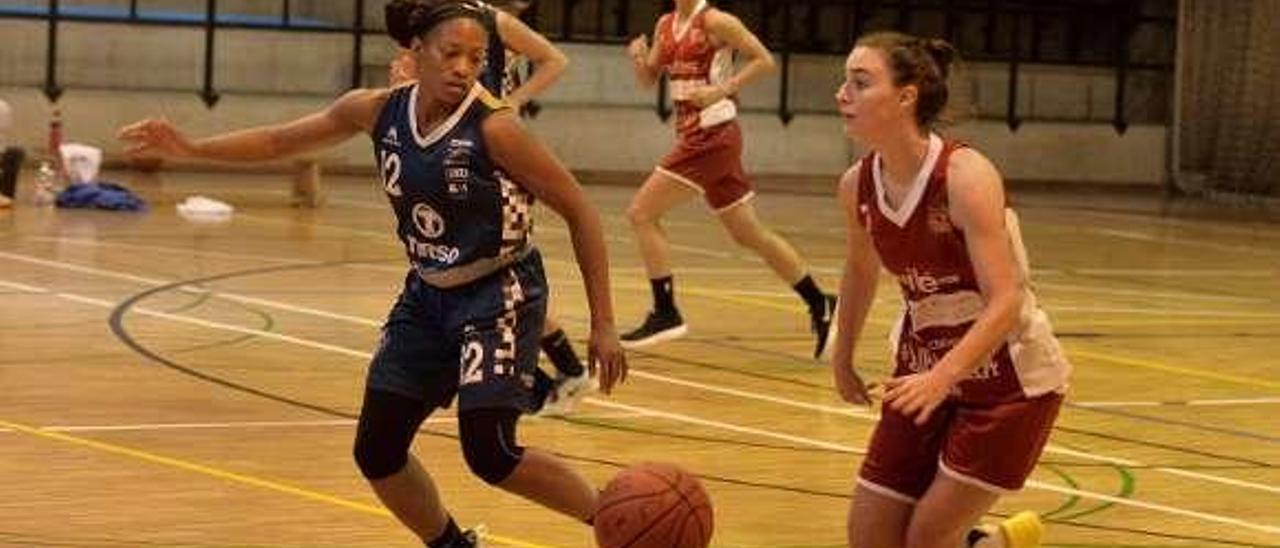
478 341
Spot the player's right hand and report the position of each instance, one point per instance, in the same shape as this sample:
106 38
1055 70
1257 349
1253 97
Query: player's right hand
155 137
605 358
638 49
850 385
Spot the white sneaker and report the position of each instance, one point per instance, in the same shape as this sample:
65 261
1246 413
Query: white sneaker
568 392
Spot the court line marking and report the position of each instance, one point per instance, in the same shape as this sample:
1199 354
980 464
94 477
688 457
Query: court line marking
1035 484
1145 364
1186 242
1222 377
1183 403
1183 295
227 475
363 321
244 425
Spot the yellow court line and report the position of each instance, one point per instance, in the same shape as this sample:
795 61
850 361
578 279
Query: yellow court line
230 476
1190 372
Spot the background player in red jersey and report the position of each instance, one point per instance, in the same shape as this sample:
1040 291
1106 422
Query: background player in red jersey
978 376
695 45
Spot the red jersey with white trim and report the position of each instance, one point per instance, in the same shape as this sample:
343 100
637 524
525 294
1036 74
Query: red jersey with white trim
918 243
692 60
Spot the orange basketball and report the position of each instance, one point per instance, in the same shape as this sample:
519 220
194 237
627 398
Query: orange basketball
654 505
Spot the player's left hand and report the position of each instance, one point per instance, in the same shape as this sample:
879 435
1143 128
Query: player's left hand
605 358
917 395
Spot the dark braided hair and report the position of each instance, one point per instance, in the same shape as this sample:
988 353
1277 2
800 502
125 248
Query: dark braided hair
409 19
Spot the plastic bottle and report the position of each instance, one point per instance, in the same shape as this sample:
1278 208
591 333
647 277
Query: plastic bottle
46 192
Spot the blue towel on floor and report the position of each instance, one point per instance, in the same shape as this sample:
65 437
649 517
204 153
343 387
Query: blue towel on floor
100 195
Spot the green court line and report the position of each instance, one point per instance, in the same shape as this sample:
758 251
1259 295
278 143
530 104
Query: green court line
1071 500
1127 484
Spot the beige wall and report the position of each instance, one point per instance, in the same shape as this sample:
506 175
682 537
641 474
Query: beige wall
595 119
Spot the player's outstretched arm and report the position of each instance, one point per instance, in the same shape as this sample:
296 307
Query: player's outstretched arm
352 113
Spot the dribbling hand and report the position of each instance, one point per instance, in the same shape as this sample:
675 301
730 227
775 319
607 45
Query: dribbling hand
154 137
605 358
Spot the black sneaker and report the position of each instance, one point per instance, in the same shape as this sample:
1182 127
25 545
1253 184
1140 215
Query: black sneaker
543 387
470 538
821 323
657 328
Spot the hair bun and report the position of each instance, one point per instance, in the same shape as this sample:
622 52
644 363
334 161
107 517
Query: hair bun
942 52
404 20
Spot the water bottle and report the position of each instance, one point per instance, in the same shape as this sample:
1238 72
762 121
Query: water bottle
46 185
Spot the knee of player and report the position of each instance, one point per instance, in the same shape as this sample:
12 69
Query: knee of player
489 443
638 215
378 458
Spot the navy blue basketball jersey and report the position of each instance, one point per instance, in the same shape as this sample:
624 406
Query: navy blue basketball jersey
453 205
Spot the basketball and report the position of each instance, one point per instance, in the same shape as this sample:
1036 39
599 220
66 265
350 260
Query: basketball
654 505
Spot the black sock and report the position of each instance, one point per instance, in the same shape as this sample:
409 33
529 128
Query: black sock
560 351
664 295
808 290
450 535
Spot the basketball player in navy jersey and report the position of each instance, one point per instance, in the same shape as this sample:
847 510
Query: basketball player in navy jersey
695 46
460 173
979 376
511 44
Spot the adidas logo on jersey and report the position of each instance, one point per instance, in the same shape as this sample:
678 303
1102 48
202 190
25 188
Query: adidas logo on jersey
391 139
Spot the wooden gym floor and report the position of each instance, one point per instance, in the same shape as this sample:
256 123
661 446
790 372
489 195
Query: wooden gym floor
169 384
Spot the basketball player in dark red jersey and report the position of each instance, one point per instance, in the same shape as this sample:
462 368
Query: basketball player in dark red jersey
978 376
695 45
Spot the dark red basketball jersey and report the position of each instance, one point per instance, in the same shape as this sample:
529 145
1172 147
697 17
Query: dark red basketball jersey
918 243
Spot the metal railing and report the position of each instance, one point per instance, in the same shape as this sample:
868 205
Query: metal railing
1089 33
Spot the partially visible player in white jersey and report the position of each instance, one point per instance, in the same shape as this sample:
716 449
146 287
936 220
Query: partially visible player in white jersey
978 377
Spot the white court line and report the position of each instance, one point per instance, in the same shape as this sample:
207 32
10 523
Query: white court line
1165 312
1170 272
1258 230
163 249
1187 296
651 376
817 443
240 425
740 393
680 417
837 270
191 289
1224 402
1169 240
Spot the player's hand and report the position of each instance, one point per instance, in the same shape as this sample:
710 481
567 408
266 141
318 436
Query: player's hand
155 137
705 96
605 359
404 69
850 385
638 49
918 394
